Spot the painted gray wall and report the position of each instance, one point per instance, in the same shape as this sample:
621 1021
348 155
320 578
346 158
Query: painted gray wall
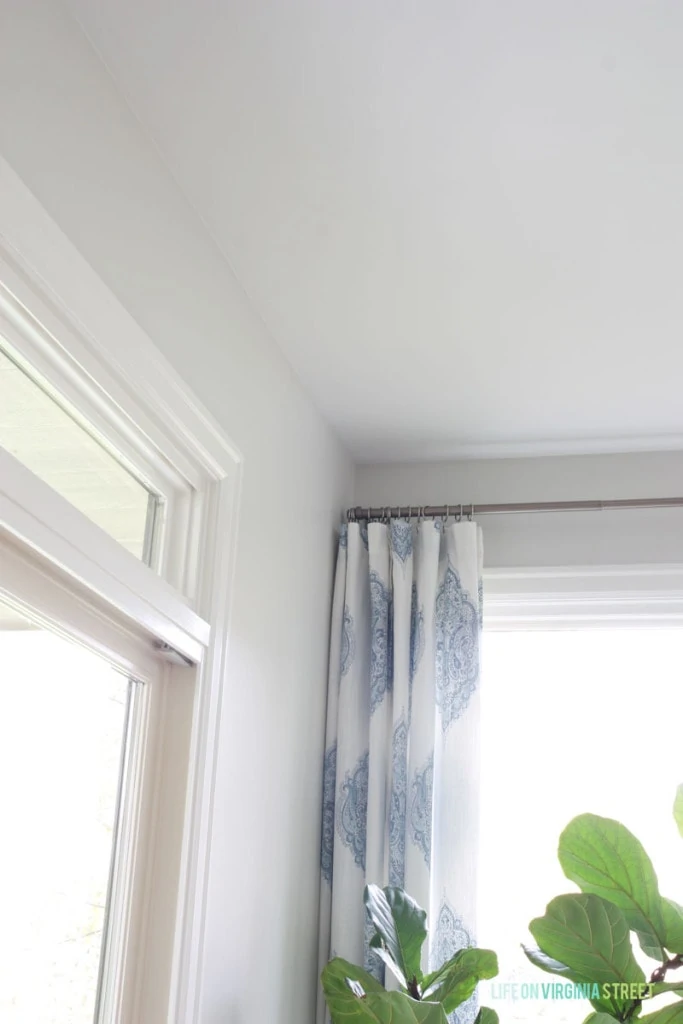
586 538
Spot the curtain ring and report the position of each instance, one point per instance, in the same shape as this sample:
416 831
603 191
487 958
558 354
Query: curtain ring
471 514
410 512
444 519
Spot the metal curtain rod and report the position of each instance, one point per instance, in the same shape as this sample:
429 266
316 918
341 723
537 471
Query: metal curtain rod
468 511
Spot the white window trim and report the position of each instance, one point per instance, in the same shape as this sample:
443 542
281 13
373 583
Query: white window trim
82 548
582 597
45 272
57 603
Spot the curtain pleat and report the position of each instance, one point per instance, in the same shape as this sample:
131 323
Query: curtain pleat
401 769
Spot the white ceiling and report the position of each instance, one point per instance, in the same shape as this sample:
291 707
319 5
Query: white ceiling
461 220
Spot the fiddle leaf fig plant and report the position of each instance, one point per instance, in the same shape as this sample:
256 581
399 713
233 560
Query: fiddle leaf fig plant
586 937
400 930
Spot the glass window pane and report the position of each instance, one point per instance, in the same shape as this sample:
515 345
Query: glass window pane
62 733
58 449
558 711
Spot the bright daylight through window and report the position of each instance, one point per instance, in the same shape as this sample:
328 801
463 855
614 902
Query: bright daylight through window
572 722
49 440
62 747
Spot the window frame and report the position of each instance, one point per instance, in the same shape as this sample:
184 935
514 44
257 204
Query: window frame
47 344
82 340
583 597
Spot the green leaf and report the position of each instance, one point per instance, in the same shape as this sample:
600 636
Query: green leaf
552 966
339 972
354 997
402 926
599 1018
667 986
586 940
377 945
604 858
398 1008
678 809
486 1016
456 980
590 936
672 1014
673 925
611 1006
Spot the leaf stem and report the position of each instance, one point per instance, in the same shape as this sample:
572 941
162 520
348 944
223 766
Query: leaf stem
659 973
414 988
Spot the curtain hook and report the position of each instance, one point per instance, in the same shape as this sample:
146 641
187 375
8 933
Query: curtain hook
444 519
410 512
471 515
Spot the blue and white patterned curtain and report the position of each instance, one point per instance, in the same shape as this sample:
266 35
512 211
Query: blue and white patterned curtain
401 773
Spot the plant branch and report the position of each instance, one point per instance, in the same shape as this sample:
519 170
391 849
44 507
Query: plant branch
659 974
